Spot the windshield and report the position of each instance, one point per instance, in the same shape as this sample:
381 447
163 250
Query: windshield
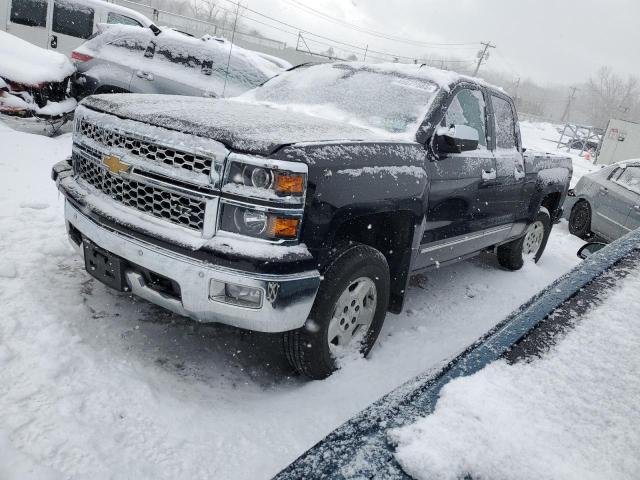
379 100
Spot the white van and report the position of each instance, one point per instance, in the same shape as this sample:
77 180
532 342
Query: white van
62 25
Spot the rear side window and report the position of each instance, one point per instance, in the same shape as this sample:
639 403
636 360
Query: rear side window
468 108
32 13
117 19
73 19
504 122
630 179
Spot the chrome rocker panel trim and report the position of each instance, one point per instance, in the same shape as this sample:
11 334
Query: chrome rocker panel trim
286 309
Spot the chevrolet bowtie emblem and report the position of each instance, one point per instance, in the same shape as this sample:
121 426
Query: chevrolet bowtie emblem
115 165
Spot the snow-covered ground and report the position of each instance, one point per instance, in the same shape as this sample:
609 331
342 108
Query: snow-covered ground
572 414
98 384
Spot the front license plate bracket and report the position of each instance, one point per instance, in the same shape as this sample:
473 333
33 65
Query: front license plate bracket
104 266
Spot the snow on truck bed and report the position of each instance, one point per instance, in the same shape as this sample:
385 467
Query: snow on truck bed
572 414
96 384
23 62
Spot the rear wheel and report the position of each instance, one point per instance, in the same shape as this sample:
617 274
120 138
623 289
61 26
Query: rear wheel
347 315
530 246
580 220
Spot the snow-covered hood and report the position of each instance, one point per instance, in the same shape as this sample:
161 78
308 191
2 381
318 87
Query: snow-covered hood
240 126
25 63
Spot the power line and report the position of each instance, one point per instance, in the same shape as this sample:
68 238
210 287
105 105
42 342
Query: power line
301 30
375 33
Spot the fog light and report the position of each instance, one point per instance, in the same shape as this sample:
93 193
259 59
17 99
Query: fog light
231 293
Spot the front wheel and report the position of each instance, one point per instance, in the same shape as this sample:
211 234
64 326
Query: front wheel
530 246
580 220
347 315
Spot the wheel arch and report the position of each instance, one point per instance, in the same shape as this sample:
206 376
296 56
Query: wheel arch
391 233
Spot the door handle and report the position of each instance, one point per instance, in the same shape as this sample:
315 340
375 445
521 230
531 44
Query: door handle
145 75
53 42
604 190
489 174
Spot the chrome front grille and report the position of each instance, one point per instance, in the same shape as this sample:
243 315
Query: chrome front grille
144 148
174 207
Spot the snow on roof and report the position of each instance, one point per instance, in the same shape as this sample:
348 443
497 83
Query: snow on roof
442 78
23 62
217 46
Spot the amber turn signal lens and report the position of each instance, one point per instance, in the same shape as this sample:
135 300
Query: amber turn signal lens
290 183
285 227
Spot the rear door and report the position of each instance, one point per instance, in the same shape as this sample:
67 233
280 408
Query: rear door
508 199
613 201
27 19
459 213
170 68
71 23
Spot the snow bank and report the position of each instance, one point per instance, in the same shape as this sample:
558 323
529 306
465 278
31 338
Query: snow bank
23 62
572 414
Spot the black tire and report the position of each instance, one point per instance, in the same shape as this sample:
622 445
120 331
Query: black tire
510 255
580 220
307 349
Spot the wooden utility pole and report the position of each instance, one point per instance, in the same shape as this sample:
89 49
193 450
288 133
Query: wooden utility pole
567 109
483 55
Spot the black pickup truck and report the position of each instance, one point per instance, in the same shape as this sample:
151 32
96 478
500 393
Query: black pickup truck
303 206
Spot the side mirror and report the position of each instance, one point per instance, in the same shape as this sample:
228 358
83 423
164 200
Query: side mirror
590 248
457 139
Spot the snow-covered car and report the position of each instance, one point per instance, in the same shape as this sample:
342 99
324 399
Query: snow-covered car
124 58
303 206
607 202
34 81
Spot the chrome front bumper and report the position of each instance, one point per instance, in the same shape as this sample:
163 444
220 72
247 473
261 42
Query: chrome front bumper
287 299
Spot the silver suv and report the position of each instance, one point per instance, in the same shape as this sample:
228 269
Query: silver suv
123 58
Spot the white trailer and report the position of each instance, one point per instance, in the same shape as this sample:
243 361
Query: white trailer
62 25
621 141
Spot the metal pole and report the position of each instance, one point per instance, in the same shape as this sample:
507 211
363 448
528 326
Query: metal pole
233 36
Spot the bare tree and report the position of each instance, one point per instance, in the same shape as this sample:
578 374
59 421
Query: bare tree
607 95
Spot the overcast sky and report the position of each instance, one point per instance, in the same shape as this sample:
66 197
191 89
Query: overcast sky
560 41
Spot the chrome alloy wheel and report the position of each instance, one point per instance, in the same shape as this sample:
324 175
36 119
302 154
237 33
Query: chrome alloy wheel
353 312
533 240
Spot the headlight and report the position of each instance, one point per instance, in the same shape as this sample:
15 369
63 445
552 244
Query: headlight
259 178
256 223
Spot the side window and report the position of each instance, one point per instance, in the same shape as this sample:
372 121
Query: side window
117 19
505 125
150 50
129 43
468 108
73 19
178 55
32 13
630 179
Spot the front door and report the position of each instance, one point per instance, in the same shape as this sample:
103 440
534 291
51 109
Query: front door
71 25
509 198
630 180
27 19
613 199
459 210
